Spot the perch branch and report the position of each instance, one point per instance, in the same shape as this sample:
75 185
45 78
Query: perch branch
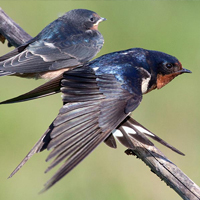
166 170
11 31
152 156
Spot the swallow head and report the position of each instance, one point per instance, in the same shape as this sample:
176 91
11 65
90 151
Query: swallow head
92 21
85 19
166 68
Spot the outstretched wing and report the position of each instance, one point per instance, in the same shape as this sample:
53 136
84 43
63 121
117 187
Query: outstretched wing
94 106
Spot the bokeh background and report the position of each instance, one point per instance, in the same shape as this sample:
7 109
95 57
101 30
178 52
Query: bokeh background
172 113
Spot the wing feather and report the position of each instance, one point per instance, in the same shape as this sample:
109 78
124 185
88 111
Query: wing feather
49 88
39 55
87 118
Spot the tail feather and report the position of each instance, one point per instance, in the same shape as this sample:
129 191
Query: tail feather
130 128
142 131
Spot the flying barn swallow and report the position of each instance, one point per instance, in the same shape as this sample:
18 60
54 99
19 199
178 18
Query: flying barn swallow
69 41
98 98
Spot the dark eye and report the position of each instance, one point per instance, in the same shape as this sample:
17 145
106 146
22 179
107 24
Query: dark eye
169 65
91 19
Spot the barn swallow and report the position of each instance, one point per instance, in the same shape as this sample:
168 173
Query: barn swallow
69 41
98 98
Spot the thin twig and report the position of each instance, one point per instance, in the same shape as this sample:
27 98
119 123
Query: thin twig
11 31
166 170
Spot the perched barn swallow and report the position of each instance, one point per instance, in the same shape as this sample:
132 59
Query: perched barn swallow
98 98
69 41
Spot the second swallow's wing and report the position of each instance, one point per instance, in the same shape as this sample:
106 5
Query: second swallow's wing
38 57
94 106
42 56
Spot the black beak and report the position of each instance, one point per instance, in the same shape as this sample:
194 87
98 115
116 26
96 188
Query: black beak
102 19
185 71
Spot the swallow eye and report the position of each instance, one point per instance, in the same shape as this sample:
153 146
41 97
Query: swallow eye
169 65
91 19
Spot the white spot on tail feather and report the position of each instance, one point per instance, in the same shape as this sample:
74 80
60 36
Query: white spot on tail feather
142 130
117 133
128 130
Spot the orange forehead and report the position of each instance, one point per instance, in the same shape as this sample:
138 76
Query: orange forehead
96 15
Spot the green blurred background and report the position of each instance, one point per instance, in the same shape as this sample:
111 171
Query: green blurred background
172 113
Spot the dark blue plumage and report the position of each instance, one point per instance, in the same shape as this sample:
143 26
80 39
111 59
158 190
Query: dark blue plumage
133 65
98 98
69 41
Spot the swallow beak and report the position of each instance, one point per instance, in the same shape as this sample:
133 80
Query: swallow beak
184 71
100 20
95 26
